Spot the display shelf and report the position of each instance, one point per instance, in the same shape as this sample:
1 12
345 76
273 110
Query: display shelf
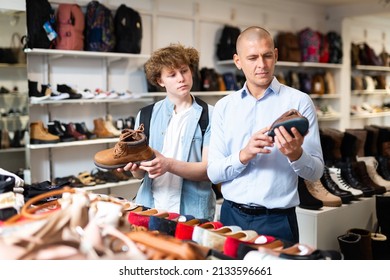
320 228
370 115
12 150
372 68
144 98
291 64
72 143
69 53
377 92
112 185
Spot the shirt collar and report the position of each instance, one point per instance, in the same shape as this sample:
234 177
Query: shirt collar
274 87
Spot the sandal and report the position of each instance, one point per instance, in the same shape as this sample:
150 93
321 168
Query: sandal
86 179
98 175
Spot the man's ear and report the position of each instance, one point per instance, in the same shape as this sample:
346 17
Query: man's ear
276 54
237 62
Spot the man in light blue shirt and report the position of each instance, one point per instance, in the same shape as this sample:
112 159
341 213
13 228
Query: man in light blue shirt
259 175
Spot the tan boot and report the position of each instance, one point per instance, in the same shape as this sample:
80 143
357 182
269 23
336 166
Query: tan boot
318 191
40 135
132 147
110 126
101 130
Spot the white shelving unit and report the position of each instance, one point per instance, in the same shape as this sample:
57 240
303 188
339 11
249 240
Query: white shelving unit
320 228
94 70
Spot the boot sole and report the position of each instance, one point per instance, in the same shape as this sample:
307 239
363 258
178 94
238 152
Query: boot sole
37 141
103 166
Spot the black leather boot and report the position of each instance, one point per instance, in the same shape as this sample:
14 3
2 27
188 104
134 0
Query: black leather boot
383 167
349 174
306 199
333 188
56 128
365 251
366 179
82 128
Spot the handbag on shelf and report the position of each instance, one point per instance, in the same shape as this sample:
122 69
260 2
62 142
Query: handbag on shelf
13 54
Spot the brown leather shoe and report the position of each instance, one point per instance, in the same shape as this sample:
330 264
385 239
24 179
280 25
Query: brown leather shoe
289 119
131 147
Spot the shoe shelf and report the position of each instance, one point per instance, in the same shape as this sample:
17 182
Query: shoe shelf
112 185
291 64
12 150
370 115
372 68
72 143
16 66
138 98
320 228
377 92
332 117
53 53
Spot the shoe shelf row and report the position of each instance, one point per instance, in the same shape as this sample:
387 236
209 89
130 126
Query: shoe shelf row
370 98
72 143
292 64
112 185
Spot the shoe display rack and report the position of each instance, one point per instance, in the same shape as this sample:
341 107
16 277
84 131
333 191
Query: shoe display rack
370 105
13 115
84 70
320 228
328 104
108 71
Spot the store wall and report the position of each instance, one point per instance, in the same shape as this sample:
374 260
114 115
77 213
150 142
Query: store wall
198 23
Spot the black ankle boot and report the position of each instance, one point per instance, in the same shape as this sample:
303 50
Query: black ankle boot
349 174
334 189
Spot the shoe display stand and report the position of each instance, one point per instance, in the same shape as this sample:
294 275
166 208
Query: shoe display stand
82 70
328 119
373 98
320 228
13 114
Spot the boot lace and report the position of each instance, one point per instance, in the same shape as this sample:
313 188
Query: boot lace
127 135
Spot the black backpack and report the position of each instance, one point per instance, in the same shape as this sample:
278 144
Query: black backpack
99 28
128 30
146 115
226 47
335 47
40 16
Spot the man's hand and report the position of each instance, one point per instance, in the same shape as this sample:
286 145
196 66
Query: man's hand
258 143
290 146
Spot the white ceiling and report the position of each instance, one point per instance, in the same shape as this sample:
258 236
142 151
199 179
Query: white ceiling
330 3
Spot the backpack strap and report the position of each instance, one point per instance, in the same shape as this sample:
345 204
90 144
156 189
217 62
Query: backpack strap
204 117
146 115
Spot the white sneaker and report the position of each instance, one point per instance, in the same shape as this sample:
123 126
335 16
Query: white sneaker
335 174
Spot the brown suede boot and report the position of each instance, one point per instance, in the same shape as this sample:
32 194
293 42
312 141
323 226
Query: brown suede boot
101 130
40 135
132 147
